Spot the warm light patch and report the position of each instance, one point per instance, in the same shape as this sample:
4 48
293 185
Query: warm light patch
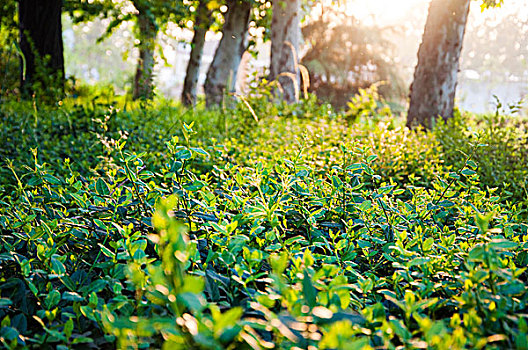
383 10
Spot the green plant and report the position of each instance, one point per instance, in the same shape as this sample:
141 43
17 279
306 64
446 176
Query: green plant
501 161
152 226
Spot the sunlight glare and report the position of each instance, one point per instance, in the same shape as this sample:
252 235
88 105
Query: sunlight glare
388 11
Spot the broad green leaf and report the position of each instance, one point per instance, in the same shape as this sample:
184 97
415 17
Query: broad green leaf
102 188
57 267
51 179
428 244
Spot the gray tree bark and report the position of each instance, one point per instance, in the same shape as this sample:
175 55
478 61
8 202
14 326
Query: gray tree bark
285 38
201 25
143 80
227 57
435 78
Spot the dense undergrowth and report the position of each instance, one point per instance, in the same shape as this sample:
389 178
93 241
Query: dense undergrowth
259 227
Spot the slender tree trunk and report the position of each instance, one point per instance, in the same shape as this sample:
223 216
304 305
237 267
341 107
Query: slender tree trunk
285 37
201 25
435 78
143 80
41 43
229 52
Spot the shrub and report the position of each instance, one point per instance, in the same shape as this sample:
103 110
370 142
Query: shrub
502 161
324 235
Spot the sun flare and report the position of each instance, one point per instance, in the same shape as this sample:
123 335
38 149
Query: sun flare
383 10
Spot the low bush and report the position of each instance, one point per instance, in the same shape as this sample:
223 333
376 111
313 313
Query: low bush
143 229
502 163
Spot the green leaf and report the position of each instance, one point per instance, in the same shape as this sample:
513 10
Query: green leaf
468 172
279 262
80 201
502 244
472 164
309 291
8 333
195 186
193 301
513 288
68 282
183 154
32 287
34 181
95 286
100 224
483 220
428 244
72 296
200 151
102 188
336 182
418 261
94 300
68 328
477 253
51 179
399 328
446 203
52 299
385 189
80 340
23 58
365 205
57 267
4 302
355 166
227 319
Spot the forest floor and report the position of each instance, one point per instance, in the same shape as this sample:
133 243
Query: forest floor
265 226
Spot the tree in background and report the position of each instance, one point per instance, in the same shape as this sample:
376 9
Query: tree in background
202 22
432 92
9 65
234 42
345 55
40 29
285 38
150 16
147 31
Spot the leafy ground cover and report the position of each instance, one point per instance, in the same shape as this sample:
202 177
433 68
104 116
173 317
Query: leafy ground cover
259 226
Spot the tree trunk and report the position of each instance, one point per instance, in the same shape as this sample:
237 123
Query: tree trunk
201 25
143 80
229 52
285 37
435 78
41 44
